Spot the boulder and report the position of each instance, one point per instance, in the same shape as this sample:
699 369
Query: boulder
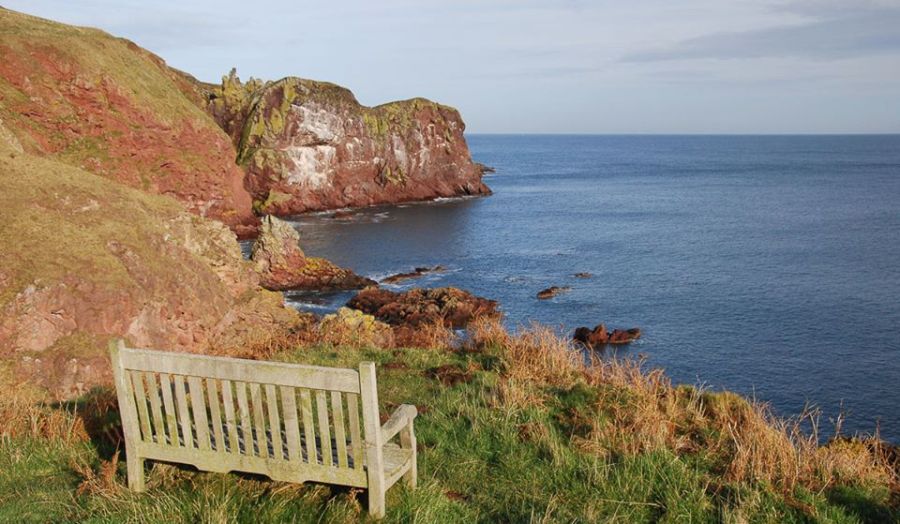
282 265
599 336
551 292
451 306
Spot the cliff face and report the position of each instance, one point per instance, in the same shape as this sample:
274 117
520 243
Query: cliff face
85 258
310 145
107 106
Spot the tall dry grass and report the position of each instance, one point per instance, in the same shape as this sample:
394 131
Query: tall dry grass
638 410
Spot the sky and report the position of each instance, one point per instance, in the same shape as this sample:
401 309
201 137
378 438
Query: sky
531 66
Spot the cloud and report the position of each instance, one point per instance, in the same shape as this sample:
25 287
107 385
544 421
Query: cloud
838 33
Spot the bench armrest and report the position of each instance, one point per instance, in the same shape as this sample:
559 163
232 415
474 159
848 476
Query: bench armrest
403 417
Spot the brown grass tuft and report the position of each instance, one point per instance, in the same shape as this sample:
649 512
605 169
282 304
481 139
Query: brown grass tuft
22 416
637 410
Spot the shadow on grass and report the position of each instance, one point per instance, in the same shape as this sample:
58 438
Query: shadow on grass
860 503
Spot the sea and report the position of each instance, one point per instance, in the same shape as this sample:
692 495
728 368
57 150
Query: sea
766 265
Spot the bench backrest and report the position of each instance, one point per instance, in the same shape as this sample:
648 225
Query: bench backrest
237 412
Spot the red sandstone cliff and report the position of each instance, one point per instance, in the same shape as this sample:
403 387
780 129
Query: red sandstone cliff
103 104
310 145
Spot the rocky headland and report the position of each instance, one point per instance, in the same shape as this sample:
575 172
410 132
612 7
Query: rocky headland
309 145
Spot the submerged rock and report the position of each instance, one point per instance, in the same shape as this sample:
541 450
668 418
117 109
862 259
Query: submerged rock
551 292
451 306
584 274
415 273
599 336
282 265
309 146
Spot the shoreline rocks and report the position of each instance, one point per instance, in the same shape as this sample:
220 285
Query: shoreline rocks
283 266
451 306
599 336
415 273
553 291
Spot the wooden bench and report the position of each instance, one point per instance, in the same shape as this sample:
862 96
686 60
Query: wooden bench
289 422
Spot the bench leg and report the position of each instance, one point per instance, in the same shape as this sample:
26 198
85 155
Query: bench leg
408 441
376 502
135 472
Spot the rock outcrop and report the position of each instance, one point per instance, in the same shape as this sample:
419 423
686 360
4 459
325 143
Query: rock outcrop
85 259
309 145
354 328
451 306
282 265
552 291
415 273
103 104
599 336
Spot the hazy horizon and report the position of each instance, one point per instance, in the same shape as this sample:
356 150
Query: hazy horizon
701 67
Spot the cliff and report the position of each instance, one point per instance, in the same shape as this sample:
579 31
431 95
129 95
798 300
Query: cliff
85 258
309 145
103 104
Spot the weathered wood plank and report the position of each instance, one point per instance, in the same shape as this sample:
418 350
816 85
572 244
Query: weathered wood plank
274 422
140 400
374 452
125 396
277 373
244 410
184 416
230 419
215 412
356 443
198 406
324 429
291 426
259 423
159 429
309 432
165 384
280 470
340 438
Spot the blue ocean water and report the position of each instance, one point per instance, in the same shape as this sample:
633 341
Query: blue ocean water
768 265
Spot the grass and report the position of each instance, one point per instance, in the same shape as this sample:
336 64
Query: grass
501 439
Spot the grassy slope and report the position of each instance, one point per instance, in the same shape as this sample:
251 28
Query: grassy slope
482 459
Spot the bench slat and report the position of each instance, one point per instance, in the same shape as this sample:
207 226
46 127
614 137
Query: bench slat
244 409
212 390
355 437
324 430
276 373
291 426
184 416
230 419
155 407
274 421
198 406
140 397
165 385
308 427
259 424
340 438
